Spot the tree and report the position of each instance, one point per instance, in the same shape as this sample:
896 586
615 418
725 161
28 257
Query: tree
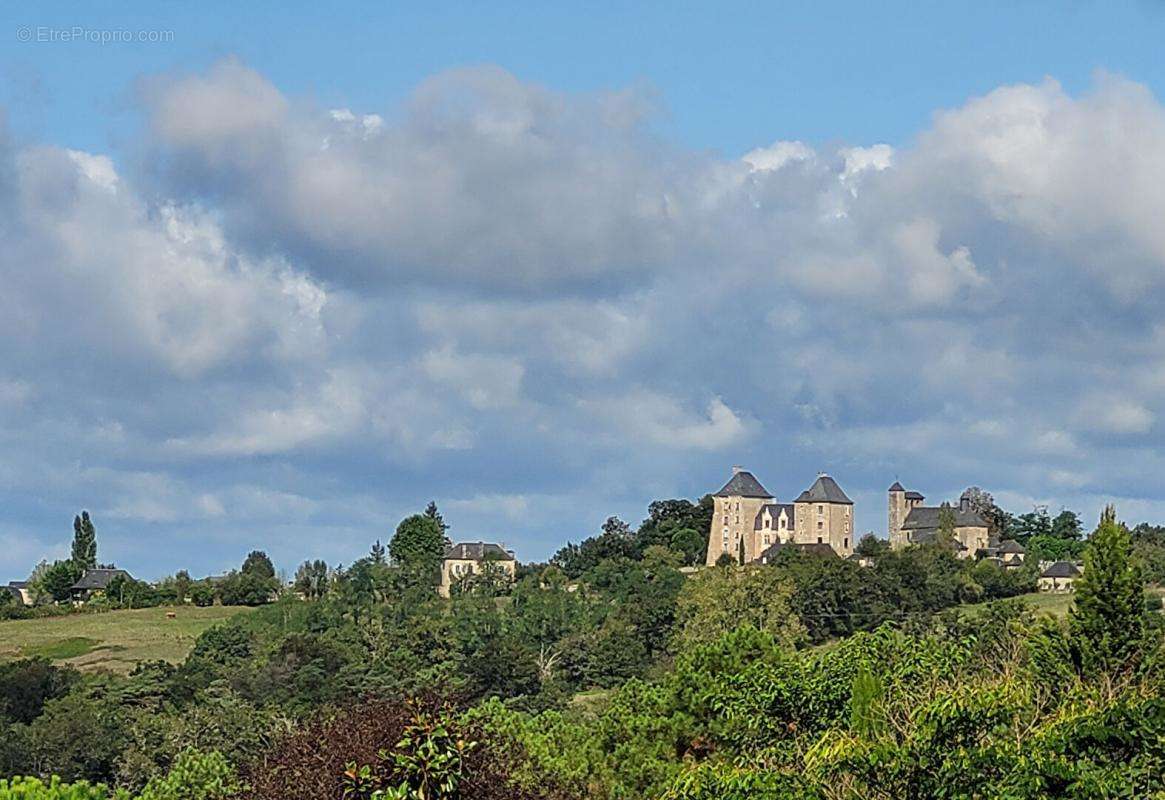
418 546
1108 616
1035 523
58 579
84 553
870 546
946 524
258 564
998 521
202 594
377 553
1067 526
432 513
311 579
182 583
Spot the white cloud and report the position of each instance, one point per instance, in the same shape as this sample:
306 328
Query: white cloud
777 155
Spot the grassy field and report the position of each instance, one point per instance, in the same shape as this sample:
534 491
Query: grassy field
113 641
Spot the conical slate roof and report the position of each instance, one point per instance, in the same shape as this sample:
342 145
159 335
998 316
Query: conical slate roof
824 490
743 484
896 487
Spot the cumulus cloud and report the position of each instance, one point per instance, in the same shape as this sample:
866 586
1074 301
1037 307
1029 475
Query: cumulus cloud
303 322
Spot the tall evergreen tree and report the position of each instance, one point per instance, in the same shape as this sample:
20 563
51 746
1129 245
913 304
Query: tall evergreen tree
946 524
432 513
1108 616
377 552
84 553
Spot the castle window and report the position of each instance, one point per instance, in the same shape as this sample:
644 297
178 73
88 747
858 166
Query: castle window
845 543
820 510
819 524
767 523
819 540
766 539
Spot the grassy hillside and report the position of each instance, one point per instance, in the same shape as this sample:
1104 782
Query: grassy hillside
115 640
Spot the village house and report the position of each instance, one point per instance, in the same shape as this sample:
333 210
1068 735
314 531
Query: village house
19 590
747 520
474 558
1059 577
94 582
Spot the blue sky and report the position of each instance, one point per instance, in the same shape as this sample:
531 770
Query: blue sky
284 278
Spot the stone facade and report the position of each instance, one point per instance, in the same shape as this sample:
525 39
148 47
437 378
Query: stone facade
473 558
910 522
746 520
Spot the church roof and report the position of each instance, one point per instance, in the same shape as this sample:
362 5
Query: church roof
824 490
1061 569
896 487
922 518
478 551
743 484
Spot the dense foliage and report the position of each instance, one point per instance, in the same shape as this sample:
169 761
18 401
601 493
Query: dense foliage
611 672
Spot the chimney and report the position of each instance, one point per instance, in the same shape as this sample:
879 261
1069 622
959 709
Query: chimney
737 469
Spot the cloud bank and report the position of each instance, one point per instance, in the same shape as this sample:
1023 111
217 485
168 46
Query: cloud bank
285 326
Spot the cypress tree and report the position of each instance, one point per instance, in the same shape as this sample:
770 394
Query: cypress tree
84 553
1108 616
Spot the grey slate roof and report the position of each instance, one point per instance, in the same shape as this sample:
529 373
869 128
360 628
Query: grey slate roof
775 510
98 578
1011 546
743 484
824 490
896 487
14 591
925 518
914 496
478 551
1061 569
18 584
814 548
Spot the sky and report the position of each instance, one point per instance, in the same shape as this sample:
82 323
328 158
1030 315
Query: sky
277 277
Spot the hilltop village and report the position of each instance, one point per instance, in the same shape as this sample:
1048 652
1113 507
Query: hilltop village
750 526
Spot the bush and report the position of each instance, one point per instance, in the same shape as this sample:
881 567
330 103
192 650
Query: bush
379 745
34 789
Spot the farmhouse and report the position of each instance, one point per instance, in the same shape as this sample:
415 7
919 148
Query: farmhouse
747 520
19 590
94 582
475 558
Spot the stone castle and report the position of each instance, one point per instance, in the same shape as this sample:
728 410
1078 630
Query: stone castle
748 523
910 522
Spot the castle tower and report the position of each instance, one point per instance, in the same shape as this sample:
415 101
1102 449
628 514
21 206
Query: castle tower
896 515
824 515
735 510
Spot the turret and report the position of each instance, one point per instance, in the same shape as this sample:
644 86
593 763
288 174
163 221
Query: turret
896 515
